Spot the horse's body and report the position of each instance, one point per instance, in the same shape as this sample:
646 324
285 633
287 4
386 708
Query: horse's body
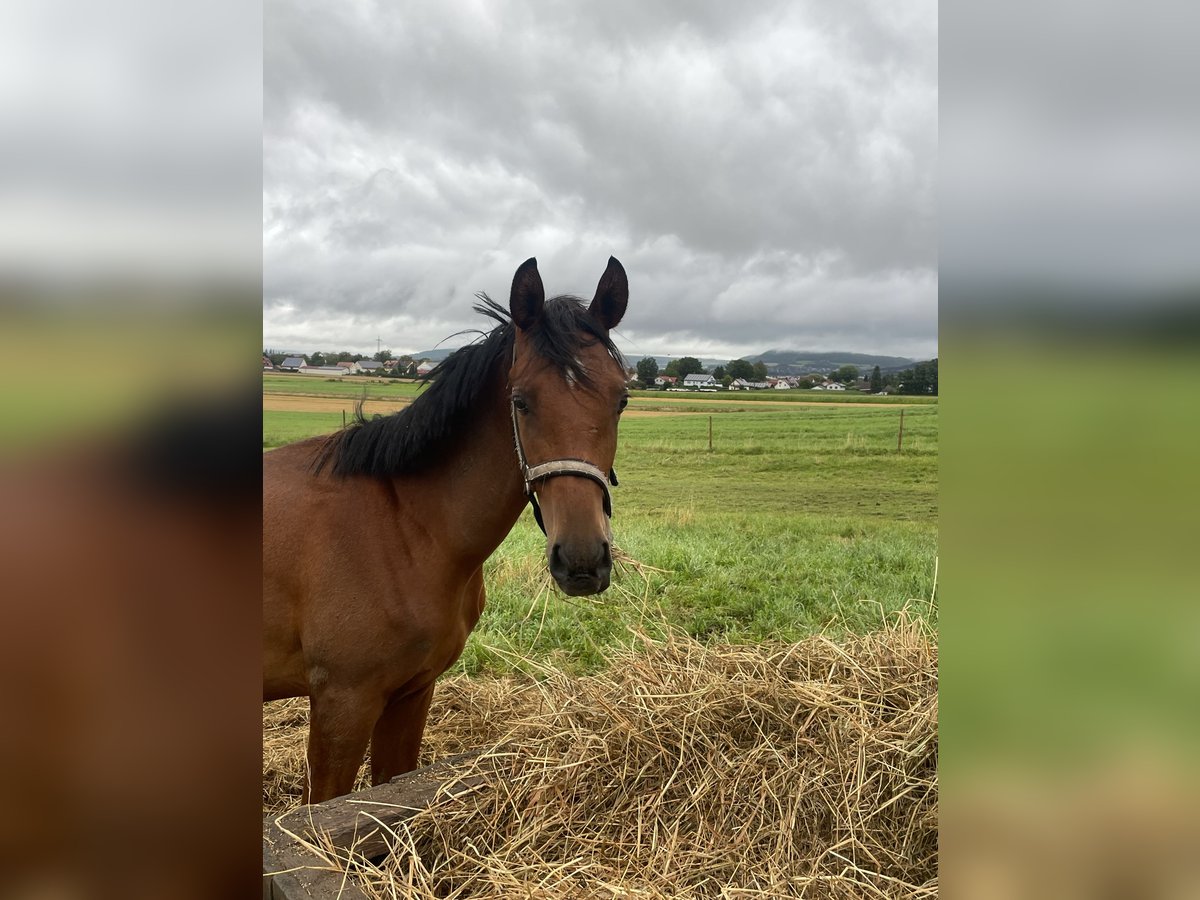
374 540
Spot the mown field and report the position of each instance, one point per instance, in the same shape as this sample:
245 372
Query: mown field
802 519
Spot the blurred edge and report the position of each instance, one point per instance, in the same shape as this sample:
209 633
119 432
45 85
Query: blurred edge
130 273
1070 324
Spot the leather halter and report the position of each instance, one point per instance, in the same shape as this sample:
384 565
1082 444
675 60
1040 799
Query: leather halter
566 466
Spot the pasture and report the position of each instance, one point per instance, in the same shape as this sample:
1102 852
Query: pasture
752 703
802 519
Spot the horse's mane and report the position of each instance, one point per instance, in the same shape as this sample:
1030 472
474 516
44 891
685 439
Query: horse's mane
413 438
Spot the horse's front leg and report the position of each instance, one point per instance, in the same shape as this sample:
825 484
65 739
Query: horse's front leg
396 743
339 727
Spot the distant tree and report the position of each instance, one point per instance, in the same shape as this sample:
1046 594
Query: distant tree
276 358
876 381
382 356
719 373
647 371
739 368
345 356
920 379
759 371
689 365
672 368
317 359
845 374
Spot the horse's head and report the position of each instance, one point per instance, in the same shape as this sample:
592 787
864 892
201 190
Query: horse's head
568 391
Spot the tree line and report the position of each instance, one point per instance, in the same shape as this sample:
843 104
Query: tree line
921 379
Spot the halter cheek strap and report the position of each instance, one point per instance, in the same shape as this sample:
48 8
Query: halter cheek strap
555 467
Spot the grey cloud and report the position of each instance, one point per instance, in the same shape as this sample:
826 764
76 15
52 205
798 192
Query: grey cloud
713 148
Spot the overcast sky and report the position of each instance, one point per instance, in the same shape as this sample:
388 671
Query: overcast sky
765 172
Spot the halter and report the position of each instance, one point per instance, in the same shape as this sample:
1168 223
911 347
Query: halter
566 466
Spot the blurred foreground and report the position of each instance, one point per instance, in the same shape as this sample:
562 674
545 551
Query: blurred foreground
129 669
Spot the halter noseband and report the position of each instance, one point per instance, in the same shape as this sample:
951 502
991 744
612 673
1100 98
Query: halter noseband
554 467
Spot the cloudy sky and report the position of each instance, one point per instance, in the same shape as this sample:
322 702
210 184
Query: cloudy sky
765 172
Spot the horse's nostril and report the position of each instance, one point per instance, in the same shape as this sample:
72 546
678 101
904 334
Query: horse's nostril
557 567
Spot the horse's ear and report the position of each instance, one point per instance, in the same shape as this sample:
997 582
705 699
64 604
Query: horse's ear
612 295
528 296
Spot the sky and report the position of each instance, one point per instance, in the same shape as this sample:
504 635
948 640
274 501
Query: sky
765 172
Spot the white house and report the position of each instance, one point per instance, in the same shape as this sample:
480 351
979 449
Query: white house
699 381
782 385
327 371
741 384
351 368
425 367
293 364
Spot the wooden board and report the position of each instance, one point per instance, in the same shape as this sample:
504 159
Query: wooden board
358 821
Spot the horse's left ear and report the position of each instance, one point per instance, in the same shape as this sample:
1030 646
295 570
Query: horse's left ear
612 295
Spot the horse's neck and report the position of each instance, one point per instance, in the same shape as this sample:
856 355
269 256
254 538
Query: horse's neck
481 493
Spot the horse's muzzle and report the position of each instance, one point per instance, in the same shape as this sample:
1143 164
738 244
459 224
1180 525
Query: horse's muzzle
581 570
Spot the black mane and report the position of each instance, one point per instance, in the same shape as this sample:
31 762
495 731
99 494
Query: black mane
413 438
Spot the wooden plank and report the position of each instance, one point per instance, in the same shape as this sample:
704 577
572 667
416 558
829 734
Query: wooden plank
292 872
358 822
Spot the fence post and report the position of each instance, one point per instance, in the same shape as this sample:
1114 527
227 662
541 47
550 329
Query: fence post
710 434
900 436
343 418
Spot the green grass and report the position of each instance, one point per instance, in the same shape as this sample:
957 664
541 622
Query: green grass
799 520
352 386
281 428
796 395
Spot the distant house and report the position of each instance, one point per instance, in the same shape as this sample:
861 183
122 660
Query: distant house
389 364
665 379
293 364
741 384
350 367
699 381
268 366
368 366
782 385
834 386
327 371
425 367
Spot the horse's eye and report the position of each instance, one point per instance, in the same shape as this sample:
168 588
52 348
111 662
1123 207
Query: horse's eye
520 404
624 403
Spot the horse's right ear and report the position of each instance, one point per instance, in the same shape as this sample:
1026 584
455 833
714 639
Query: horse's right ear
528 296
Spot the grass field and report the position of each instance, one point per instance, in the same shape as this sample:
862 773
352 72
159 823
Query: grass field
802 519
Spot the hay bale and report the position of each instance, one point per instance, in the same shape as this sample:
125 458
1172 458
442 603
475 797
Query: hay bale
685 770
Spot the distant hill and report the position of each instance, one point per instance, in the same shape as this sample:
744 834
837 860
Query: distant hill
433 355
778 362
803 362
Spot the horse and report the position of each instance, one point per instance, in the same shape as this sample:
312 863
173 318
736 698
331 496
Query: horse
374 538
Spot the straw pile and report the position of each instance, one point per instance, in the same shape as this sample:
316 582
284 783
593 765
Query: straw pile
685 770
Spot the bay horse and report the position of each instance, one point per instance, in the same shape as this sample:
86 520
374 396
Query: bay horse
374 538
